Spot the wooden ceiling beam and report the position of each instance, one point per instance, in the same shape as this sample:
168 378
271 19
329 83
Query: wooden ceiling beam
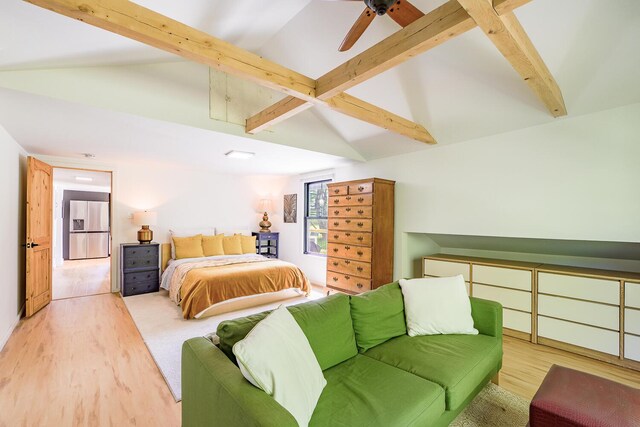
512 41
144 25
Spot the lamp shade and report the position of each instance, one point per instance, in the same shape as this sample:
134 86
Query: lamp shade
145 218
265 205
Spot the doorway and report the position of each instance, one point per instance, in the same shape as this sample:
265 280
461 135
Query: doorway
82 223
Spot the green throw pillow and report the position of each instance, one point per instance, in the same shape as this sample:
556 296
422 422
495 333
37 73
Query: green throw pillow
378 316
325 322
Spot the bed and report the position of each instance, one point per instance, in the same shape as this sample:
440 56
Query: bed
213 285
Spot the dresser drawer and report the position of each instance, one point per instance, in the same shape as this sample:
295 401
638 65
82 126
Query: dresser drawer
632 347
632 295
358 253
503 276
140 288
590 313
439 268
351 212
143 261
516 320
338 190
580 335
141 251
362 188
509 298
140 276
348 224
347 282
632 321
349 237
355 200
345 266
586 288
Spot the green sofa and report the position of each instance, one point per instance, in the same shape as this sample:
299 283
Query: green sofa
376 374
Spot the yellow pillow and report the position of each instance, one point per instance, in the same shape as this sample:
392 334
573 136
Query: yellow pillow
248 244
212 245
231 245
188 247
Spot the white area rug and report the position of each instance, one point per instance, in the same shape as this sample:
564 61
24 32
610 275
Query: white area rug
164 330
495 407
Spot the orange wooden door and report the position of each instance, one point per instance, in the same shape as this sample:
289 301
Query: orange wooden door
39 234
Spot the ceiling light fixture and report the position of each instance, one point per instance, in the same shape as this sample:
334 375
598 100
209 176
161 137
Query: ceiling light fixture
239 154
84 178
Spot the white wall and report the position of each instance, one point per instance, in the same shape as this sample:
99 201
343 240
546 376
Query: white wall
12 233
576 178
182 198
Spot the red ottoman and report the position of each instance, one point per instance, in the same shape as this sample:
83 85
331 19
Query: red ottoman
573 398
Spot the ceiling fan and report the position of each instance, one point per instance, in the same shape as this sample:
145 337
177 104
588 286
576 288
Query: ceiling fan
401 11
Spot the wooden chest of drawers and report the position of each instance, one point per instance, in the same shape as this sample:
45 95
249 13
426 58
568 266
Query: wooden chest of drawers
360 226
139 268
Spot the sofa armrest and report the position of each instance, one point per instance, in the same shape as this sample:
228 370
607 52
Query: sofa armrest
215 393
487 316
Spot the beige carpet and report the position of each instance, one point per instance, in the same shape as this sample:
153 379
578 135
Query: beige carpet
494 407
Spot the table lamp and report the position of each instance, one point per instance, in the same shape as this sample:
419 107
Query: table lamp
145 219
265 206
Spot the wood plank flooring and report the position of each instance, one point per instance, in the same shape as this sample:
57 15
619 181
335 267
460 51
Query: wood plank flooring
82 362
77 278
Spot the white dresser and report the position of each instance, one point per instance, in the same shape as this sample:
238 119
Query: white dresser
591 312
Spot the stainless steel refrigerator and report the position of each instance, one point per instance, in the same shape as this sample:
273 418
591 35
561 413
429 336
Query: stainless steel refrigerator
88 229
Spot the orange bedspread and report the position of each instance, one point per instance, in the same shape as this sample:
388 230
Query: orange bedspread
203 287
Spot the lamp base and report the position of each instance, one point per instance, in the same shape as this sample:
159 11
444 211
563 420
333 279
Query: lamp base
265 225
145 236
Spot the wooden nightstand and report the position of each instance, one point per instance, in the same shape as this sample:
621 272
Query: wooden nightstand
139 268
267 244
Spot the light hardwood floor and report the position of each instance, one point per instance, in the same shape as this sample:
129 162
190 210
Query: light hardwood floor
77 278
81 361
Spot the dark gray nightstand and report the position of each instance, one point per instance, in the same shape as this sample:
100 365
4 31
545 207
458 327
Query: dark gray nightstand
139 268
267 244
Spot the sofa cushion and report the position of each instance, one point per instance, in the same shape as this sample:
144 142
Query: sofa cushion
378 316
365 392
458 363
325 322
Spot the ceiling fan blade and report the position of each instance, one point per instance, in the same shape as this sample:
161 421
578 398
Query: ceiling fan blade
358 28
404 13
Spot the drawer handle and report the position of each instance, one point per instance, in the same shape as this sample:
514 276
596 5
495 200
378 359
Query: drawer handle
360 238
335 264
347 234
360 211
360 253
347 248
336 201
348 209
359 285
133 252
335 236
360 269
336 223
335 279
348 221
336 212
361 188
148 276
337 190
348 197
360 224
133 263
346 261
134 277
347 277
335 249
361 199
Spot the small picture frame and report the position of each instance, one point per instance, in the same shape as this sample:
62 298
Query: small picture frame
290 208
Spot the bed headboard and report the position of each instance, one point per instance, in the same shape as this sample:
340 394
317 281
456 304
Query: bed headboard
165 255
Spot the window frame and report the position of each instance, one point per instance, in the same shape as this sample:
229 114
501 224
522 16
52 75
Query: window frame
305 240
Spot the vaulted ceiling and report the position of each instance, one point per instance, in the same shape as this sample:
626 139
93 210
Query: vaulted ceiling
460 90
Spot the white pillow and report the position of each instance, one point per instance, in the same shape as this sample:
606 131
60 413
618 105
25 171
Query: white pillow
276 357
233 231
437 306
188 232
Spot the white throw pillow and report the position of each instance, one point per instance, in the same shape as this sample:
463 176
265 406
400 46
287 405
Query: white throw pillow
188 232
276 357
437 306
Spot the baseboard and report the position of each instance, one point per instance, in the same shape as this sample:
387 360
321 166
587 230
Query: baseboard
6 337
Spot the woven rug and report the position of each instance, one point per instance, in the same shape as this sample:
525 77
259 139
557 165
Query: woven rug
494 407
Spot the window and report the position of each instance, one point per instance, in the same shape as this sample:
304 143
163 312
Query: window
316 209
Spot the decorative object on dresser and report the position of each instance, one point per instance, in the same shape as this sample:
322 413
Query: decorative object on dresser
139 268
587 311
267 244
290 208
145 219
265 206
360 228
